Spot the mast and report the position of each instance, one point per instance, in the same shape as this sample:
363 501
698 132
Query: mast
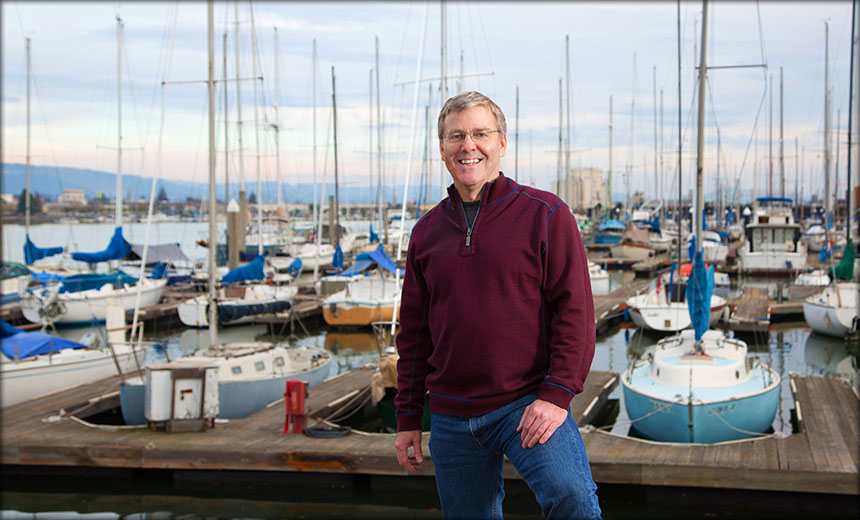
517 140
316 207
256 135
243 204
680 142
118 209
609 173
852 122
213 236
277 128
226 125
560 160
567 141
781 141
657 184
444 52
27 208
336 182
382 224
827 207
770 142
627 211
662 167
700 139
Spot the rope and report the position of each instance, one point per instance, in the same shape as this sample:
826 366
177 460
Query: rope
631 421
739 430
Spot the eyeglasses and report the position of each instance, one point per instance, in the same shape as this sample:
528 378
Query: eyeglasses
481 135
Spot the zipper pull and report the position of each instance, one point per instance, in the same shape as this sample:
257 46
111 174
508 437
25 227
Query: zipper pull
468 237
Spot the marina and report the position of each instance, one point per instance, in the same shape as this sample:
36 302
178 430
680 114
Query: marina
200 328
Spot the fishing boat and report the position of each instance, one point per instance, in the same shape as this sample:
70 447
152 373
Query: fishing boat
772 242
609 232
700 386
250 376
35 363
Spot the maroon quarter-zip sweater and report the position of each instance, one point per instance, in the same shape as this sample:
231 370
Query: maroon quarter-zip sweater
493 309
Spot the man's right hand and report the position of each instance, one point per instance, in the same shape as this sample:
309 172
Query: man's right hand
405 440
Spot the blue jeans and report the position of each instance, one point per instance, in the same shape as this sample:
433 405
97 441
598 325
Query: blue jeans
468 454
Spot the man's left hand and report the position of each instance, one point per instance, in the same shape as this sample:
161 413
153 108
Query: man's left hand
539 422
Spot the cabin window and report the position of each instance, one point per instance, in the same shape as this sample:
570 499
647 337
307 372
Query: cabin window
236 370
259 365
737 375
658 372
279 361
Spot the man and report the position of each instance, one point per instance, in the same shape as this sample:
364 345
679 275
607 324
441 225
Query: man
497 323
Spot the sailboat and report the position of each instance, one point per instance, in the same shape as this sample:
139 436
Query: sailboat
835 311
251 375
84 298
35 363
700 386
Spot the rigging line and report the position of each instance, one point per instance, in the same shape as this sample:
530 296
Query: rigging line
474 45
49 142
403 43
487 46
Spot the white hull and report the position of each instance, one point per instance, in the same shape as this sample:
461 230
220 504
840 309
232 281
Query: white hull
28 378
195 311
89 306
655 314
773 261
817 277
631 251
833 310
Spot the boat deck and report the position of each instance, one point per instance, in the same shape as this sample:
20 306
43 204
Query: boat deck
821 458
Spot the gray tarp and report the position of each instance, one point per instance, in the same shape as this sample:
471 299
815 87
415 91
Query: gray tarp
167 253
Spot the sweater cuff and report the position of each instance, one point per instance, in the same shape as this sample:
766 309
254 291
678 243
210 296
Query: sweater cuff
410 421
556 395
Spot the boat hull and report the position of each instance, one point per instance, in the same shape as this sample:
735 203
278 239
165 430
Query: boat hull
773 262
699 422
91 306
25 379
236 399
827 313
360 314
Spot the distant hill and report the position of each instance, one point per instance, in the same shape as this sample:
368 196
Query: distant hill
49 182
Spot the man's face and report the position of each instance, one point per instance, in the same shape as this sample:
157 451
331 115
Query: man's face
471 163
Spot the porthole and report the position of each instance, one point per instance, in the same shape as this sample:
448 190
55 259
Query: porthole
260 366
279 361
236 370
737 375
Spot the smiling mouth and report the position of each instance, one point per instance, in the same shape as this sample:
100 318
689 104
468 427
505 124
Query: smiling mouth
469 161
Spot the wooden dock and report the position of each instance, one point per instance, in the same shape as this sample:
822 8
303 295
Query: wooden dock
609 308
821 458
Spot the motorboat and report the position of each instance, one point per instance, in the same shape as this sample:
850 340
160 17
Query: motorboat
772 242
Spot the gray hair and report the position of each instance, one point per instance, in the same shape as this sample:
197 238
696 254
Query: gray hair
465 100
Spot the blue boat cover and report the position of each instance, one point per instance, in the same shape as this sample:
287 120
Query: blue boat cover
700 286
773 199
16 343
382 260
33 253
337 258
118 248
228 313
250 271
159 271
84 281
611 225
357 267
374 237
295 267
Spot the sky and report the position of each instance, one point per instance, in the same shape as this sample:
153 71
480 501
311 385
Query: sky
514 52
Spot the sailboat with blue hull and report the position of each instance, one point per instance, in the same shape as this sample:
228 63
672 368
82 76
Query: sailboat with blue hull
700 386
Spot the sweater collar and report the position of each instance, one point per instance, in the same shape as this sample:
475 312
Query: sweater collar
493 191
